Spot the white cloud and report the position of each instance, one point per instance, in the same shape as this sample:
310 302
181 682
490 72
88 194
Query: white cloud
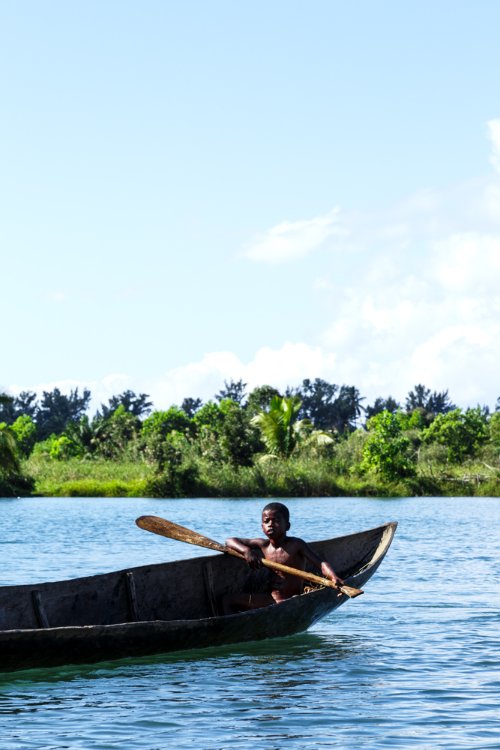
410 296
425 313
288 365
491 199
282 367
422 303
292 240
202 379
468 262
462 356
494 134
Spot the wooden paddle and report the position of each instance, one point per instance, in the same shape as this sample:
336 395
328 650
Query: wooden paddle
161 526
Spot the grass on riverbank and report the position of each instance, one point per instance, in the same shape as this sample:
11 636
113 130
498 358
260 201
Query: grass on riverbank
83 478
272 478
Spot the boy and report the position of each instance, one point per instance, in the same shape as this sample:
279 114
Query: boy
280 548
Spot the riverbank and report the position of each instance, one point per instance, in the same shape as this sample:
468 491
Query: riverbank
291 478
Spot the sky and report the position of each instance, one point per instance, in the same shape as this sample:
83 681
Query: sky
200 192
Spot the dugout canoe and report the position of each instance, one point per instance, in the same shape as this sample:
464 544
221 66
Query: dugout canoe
167 607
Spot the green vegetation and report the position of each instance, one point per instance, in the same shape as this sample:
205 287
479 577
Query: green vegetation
77 477
388 450
309 441
12 479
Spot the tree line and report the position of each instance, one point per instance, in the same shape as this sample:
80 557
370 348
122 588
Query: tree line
318 419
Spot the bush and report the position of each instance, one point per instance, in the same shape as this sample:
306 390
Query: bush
387 451
463 433
348 453
432 454
24 430
494 430
175 481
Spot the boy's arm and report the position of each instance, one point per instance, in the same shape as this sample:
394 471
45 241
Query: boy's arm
326 569
251 549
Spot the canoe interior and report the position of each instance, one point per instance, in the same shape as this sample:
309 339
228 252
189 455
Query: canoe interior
181 590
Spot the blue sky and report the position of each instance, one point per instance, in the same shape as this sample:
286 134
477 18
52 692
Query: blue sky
203 191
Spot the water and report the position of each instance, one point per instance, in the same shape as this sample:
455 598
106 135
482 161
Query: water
414 662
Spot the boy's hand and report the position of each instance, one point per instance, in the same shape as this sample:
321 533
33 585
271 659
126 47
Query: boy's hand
338 581
329 573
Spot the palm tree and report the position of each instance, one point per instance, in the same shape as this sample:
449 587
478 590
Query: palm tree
87 435
9 460
280 427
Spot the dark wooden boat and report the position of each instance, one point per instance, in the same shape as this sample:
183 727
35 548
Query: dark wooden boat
166 607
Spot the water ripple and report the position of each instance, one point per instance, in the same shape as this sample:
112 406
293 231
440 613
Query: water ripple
413 663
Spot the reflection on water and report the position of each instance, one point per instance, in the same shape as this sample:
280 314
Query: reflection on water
270 690
286 654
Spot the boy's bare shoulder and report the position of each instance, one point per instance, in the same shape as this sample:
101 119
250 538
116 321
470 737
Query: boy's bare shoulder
258 542
296 543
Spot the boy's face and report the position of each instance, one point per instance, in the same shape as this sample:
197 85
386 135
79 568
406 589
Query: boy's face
274 524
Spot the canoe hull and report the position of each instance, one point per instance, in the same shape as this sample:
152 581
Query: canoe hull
25 648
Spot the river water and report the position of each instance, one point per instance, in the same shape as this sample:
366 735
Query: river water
415 662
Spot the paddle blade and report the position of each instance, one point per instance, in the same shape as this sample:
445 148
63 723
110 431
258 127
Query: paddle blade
161 526
350 591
